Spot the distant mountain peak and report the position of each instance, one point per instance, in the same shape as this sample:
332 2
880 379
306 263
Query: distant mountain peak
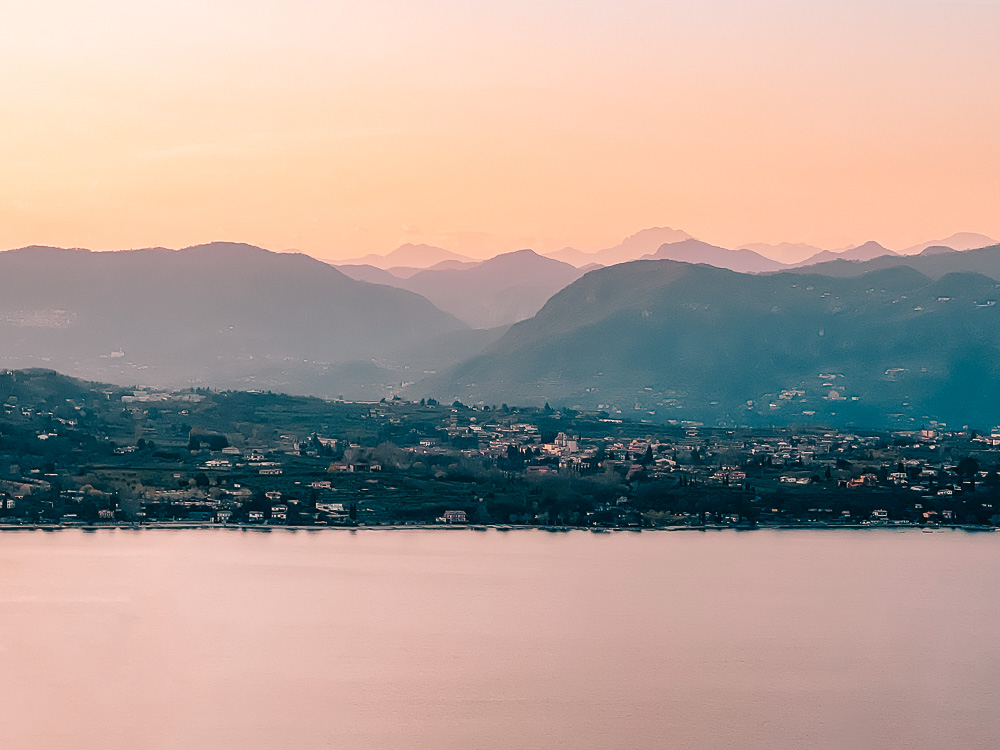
957 241
690 242
408 255
633 247
48 249
696 251
485 294
525 255
868 251
869 247
420 255
673 235
523 252
219 247
936 250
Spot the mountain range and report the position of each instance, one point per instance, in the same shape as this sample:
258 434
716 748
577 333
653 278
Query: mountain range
693 342
495 292
408 256
957 241
891 340
632 247
696 251
222 314
934 261
868 251
795 254
408 260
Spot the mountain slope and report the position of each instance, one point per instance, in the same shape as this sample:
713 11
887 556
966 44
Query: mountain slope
215 314
984 261
405 272
957 241
491 293
696 251
632 247
408 255
868 251
368 273
496 292
393 276
699 343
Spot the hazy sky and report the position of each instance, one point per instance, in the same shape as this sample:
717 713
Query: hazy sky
341 128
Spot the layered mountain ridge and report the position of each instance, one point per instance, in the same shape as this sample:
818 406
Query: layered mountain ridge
218 314
681 341
495 292
896 339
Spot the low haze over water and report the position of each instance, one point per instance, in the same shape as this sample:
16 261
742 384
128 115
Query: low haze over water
525 639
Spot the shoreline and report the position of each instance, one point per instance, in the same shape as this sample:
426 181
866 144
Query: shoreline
209 526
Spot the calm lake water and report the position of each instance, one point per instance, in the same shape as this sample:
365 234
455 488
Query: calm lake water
524 639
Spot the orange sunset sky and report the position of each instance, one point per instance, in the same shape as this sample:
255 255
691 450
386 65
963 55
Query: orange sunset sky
343 128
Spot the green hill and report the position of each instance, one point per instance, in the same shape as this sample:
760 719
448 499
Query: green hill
984 260
685 342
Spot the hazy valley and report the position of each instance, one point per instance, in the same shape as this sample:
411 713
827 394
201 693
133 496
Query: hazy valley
691 332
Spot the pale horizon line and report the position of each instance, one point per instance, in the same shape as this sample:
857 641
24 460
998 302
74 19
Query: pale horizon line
343 258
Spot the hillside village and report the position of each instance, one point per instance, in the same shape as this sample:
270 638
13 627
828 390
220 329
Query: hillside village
82 454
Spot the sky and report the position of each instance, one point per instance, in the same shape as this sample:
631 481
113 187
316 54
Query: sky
345 128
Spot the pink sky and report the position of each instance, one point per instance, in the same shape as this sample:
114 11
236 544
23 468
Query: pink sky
343 128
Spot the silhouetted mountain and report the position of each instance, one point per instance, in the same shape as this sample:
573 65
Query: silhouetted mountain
408 255
496 292
214 314
371 274
485 294
392 276
631 248
868 251
936 250
958 241
696 251
985 261
686 342
405 272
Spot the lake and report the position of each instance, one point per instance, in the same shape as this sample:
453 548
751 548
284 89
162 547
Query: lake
490 639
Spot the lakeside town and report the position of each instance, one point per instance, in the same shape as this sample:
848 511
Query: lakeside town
74 453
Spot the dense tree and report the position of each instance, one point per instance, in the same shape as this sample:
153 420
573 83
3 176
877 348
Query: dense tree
647 457
967 467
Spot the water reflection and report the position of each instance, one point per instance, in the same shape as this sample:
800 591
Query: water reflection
498 639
